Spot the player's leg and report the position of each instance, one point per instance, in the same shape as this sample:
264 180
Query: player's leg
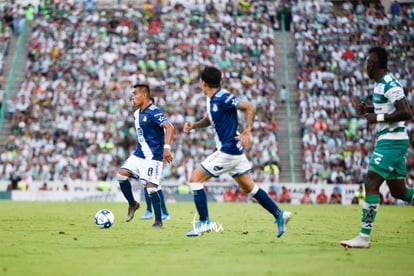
372 201
387 154
151 175
200 200
165 215
126 188
369 211
396 181
156 204
399 190
198 177
148 211
245 182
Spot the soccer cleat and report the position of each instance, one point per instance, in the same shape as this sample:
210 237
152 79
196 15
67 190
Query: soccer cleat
165 217
360 241
131 212
157 224
200 227
147 215
281 221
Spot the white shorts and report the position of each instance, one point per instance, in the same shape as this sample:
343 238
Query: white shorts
149 171
219 163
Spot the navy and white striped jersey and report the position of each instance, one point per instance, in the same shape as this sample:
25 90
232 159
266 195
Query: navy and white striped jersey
222 112
150 133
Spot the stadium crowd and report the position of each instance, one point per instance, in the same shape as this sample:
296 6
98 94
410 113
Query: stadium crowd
332 41
72 115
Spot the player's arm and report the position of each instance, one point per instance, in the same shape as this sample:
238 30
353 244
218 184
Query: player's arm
402 112
205 122
249 111
169 131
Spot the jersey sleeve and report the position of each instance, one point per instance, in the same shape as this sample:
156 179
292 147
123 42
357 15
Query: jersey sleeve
159 118
230 102
393 90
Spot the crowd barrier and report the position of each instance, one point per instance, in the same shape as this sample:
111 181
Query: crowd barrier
88 191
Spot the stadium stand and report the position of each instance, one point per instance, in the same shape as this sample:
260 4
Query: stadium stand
332 39
72 122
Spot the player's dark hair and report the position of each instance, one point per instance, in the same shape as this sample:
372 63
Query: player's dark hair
144 87
212 76
382 56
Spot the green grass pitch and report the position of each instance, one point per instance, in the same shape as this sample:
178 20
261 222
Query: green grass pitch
40 238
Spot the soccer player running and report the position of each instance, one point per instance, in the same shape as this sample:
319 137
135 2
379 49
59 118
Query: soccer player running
154 135
390 110
222 108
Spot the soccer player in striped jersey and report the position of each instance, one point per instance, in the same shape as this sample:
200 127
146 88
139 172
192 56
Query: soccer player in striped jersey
154 135
222 109
389 112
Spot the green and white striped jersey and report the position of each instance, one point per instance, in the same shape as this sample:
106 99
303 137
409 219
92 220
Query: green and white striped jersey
387 92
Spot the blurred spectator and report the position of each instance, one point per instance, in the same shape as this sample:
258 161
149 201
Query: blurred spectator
44 187
272 171
284 13
322 197
348 6
183 189
272 192
241 196
24 182
14 182
103 185
282 94
359 197
285 195
306 199
395 8
89 5
325 173
336 196
229 195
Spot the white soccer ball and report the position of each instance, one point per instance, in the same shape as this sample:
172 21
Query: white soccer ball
104 218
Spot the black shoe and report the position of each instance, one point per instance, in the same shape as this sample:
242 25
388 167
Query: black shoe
131 212
157 224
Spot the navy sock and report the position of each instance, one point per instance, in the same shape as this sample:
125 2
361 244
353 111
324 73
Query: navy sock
156 203
200 200
163 206
147 200
266 201
126 189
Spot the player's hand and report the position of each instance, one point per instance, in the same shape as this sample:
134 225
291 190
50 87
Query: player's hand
188 126
361 108
167 155
371 117
245 140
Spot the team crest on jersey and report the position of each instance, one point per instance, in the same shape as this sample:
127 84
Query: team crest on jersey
215 108
144 118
